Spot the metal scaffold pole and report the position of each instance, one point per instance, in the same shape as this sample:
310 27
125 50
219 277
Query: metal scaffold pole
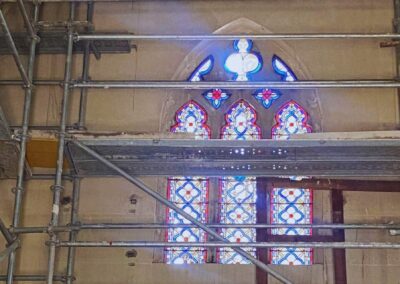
72 235
14 50
29 89
175 37
85 70
155 226
326 245
57 187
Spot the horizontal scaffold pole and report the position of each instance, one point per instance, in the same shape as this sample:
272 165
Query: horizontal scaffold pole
237 85
299 36
342 245
133 226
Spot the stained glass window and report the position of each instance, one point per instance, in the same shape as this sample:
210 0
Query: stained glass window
291 205
188 193
238 194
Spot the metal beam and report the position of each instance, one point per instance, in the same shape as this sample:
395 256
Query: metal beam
181 212
57 187
326 245
14 51
53 42
19 188
169 157
300 36
237 85
338 184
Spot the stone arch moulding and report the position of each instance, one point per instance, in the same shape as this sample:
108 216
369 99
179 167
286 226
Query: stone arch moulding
309 99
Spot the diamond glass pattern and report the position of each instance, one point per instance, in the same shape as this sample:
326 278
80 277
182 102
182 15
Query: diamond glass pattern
241 123
291 205
238 195
188 193
192 118
290 119
291 256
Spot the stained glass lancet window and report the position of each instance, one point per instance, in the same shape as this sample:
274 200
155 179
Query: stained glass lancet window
291 205
188 193
237 200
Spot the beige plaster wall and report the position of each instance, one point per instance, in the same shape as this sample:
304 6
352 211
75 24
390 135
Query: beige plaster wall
107 200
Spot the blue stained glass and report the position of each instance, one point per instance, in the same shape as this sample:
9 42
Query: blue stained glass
237 206
291 256
238 194
291 205
243 62
191 195
283 69
188 193
192 118
266 96
290 119
216 97
185 255
241 123
202 69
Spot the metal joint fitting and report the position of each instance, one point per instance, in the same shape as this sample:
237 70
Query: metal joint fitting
50 230
36 38
56 187
16 242
50 242
75 37
17 188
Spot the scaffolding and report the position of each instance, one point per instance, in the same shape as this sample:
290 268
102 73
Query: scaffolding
376 159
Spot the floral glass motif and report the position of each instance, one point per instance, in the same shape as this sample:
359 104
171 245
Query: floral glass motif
216 97
243 62
283 69
188 193
238 194
202 69
266 96
192 118
290 119
241 123
291 205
